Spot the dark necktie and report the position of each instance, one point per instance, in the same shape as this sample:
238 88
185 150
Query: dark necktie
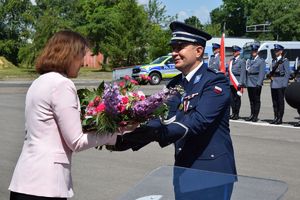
185 83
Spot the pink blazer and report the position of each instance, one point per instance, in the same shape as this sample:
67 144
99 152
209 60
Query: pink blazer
53 132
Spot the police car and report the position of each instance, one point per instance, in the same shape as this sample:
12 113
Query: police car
161 68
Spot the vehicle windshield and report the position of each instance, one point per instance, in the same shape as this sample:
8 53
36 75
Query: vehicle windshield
158 60
246 54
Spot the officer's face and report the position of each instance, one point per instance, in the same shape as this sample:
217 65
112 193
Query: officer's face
254 54
235 53
186 56
278 52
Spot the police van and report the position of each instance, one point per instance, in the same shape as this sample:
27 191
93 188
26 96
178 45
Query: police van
266 51
161 68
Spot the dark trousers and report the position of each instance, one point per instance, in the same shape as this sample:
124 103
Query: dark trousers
235 101
254 98
20 196
278 102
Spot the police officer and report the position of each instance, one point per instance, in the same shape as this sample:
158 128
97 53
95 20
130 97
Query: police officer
296 77
255 73
198 122
279 81
214 61
237 76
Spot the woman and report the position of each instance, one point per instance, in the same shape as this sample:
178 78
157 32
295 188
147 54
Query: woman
52 123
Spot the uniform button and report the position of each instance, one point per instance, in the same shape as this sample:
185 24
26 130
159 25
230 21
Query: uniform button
179 149
212 155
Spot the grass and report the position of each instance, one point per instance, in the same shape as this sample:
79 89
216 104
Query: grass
14 73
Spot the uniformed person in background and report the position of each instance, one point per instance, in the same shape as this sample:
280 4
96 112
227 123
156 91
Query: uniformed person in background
198 122
296 77
255 73
279 82
237 76
214 61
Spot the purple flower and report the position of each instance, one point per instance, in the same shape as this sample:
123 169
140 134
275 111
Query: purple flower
143 109
112 98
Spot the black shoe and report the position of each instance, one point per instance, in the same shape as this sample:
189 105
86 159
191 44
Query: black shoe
235 117
279 121
254 119
297 125
274 120
249 118
231 116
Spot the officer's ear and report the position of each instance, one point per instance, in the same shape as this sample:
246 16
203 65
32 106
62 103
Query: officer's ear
199 51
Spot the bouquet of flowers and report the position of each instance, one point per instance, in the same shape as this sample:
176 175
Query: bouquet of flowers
111 106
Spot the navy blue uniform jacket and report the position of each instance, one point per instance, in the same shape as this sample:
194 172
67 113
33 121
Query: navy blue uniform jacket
201 133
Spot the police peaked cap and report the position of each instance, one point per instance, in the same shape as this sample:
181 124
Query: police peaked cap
187 33
278 47
215 46
236 48
254 47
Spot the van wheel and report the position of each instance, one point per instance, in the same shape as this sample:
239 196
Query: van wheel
155 78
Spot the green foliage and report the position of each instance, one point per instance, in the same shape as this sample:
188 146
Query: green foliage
213 29
15 27
194 21
284 18
157 13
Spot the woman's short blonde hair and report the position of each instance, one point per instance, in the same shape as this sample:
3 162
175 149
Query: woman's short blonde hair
60 51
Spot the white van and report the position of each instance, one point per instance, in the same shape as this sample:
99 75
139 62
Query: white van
228 42
266 51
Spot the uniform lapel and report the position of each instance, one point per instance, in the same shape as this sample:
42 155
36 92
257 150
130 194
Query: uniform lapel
196 81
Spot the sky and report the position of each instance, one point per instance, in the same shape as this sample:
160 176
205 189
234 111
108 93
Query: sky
188 8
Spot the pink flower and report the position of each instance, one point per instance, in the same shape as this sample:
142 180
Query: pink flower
141 95
91 104
142 98
121 108
125 100
122 84
100 108
127 78
134 82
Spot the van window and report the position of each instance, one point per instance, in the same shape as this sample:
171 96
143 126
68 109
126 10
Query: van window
263 54
170 61
290 54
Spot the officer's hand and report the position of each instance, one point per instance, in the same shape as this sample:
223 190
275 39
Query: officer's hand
137 139
280 61
239 87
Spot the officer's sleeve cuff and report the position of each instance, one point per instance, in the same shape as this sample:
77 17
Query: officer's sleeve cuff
173 132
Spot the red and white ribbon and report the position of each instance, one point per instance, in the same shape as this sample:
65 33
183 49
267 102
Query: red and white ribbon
233 80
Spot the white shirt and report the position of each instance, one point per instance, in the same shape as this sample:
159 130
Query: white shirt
191 73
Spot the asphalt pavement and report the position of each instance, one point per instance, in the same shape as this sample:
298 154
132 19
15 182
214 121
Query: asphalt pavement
261 150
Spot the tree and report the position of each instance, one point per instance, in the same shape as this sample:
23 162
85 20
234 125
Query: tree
194 21
50 16
15 27
157 13
283 17
234 14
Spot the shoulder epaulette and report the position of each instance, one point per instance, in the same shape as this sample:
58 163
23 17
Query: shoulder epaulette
214 70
